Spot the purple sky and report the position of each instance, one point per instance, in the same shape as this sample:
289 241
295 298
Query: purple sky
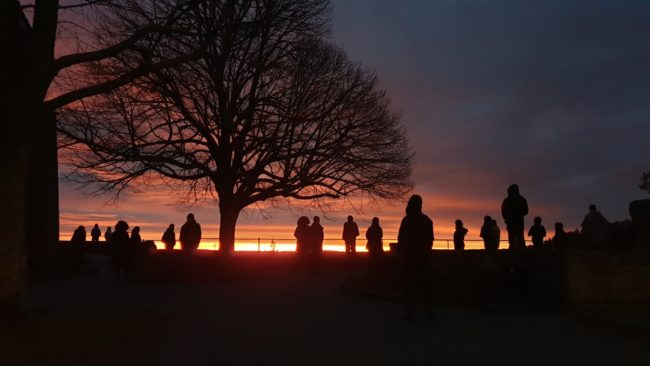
552 95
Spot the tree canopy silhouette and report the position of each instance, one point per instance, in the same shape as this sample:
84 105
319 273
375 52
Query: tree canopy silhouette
47 43
270 110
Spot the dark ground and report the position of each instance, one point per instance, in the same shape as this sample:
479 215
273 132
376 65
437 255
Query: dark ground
270 311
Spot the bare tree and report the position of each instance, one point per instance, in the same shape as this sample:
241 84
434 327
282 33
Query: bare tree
270 110
39 76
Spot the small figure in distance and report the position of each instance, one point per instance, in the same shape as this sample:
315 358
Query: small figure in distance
316 236
78 236
594 227
513 209
169 238
459 236
496 235
95 233
375 235
107 234
136 240
302 235
121 249
375 245
416 238
537 232
559 239
350 233
190 235
486 233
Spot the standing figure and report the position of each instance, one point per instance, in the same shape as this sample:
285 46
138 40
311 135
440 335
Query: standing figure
350 233
513 209
594 227
375 235
317 235
136 240
486 233
169 238
302 235
95 233
459 236
496 235
190 234
416 238
79 236
559 239
537 232
107 234
121 249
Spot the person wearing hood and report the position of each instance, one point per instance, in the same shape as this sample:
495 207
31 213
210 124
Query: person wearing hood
416 238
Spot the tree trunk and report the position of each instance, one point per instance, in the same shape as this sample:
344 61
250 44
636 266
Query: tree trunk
14 163
43 197
227 226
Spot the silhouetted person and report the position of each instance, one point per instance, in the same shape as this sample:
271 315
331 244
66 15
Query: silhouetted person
594 227
302 235
79 236
317 235
121 249
169 238
190 234
559 239
375 244
537 232
95 233
135 237
375 235
350 233
486 233
496 235
107 234
416 238
513 209
459 236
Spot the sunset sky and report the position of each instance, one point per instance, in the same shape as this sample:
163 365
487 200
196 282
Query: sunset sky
552 95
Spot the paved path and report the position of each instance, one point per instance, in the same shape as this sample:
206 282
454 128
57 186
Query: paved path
285 318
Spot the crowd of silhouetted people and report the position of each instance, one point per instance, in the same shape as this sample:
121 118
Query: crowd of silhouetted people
415 238
124 247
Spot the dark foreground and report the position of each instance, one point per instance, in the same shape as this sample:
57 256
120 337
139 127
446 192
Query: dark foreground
274 312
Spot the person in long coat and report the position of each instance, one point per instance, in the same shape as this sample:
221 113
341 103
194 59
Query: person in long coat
374 235
302 235
121 249
416 238
513 209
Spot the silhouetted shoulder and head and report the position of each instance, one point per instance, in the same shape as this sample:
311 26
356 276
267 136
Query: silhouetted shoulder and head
190 236
415 239
513 210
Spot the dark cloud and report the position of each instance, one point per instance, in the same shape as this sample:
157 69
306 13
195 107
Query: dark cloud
554 95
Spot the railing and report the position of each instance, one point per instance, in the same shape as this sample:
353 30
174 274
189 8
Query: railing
261 244
289 244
